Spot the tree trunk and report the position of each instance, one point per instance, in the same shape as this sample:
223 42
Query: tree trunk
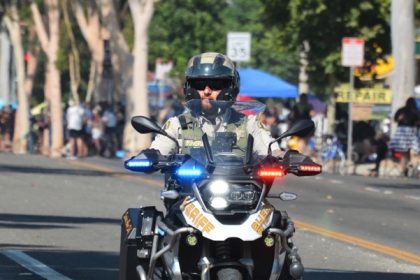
74 61
92 32
31 63
21 132
50 44
141 12
92 80
403 38
56 111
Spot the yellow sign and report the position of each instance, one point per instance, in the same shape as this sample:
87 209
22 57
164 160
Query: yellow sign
375 95
382 68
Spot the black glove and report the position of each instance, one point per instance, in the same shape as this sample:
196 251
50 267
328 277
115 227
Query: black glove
151 154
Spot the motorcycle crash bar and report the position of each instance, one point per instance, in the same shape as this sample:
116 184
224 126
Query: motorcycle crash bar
155 255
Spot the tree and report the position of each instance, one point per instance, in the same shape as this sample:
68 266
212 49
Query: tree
268 52
181 29
128 65
20 139
87 16
50 45
73 56
323 24
403 38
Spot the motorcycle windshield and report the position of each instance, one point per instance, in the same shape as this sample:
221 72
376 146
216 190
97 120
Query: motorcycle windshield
220 122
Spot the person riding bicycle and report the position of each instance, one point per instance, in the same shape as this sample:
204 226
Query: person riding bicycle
212 80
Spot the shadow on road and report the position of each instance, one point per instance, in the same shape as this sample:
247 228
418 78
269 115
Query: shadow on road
104 266
44 221
313 274
81 265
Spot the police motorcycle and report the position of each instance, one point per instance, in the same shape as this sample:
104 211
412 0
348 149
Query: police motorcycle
218 222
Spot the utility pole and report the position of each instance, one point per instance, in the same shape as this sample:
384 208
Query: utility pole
403 41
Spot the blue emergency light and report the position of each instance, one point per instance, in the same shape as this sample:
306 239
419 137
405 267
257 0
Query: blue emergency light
189 172
136 164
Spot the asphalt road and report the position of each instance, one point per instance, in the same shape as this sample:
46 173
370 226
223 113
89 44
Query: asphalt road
60 219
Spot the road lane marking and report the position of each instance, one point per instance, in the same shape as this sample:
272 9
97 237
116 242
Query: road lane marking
386 250
376 190
333 181
412 197
370 189
373 246
34 265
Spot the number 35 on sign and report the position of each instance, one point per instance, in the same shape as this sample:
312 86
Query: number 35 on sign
239 46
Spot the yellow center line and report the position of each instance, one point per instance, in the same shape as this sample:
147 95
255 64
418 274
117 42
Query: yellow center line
373 246
383 249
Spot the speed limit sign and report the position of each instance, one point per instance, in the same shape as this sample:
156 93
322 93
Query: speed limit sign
239 46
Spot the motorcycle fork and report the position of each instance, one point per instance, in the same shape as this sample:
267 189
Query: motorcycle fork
205 262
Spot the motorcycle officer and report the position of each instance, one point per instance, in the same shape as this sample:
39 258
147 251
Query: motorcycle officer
213 77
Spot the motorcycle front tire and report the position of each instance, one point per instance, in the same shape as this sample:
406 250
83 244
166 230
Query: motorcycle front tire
229 274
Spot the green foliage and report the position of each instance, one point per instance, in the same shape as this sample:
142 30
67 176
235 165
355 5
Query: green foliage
183 28
323 24
128 29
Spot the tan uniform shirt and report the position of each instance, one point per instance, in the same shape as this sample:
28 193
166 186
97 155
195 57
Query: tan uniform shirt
262 136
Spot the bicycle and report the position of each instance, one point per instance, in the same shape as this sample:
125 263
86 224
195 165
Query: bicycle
332 153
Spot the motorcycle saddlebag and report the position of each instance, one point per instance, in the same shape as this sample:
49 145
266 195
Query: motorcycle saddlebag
128 245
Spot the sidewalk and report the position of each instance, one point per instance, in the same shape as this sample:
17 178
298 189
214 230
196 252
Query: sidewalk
388 169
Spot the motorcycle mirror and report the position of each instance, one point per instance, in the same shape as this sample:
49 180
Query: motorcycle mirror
144 125
285 196
301 128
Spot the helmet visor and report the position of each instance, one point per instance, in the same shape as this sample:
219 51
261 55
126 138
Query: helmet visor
214 84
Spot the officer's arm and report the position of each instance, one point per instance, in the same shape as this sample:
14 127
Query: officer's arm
162 143
262 137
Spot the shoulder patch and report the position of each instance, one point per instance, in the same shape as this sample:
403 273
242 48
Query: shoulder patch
167 124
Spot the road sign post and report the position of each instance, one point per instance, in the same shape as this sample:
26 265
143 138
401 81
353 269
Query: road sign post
239 46
352 54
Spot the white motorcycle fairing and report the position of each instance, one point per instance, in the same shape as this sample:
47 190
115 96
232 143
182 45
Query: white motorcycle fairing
250 230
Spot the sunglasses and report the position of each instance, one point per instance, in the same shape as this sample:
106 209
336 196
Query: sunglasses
216 84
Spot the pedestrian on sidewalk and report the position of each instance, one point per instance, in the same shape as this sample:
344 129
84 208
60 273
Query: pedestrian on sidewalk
75 118
405 138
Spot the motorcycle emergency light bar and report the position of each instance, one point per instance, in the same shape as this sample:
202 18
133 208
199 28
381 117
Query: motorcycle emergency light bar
136 164
310 168
271 172
189 172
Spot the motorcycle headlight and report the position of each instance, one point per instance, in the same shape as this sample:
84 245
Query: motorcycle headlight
220 195
218 187
218 203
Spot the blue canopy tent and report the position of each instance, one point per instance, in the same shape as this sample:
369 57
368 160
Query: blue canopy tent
257 83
